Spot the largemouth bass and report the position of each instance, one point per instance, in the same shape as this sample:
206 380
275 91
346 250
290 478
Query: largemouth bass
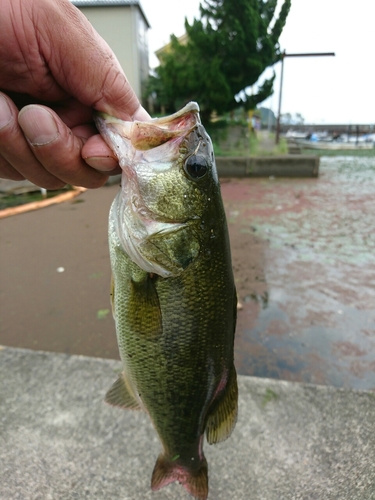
173 293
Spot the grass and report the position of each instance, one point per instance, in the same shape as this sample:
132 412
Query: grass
14 200
253 146
343 152
269 147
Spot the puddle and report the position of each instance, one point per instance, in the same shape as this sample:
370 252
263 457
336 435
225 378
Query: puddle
313 320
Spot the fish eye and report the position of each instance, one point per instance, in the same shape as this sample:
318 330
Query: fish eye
196 166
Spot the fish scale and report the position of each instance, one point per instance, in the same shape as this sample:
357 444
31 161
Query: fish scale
173 293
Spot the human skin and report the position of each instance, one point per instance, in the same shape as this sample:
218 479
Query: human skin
54 71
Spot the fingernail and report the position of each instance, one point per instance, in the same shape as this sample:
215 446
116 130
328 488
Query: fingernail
141 115
5 112
102 163
38 125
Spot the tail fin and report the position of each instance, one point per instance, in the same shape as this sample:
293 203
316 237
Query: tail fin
194 480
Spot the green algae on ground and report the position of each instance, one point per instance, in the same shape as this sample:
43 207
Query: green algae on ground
269 396
102 313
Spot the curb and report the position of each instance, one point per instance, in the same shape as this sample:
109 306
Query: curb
259 166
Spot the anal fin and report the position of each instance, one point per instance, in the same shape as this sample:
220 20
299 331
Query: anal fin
222 420
120 395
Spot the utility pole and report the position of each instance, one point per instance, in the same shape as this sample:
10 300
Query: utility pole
284 54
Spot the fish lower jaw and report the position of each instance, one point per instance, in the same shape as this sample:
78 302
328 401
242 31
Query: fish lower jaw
141 247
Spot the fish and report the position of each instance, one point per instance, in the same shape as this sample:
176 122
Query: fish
173 293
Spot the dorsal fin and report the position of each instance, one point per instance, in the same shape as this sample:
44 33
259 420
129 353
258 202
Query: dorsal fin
120 395
222 420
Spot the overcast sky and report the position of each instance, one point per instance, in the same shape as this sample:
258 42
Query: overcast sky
338 89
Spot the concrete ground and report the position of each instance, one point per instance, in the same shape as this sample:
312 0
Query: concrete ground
59 441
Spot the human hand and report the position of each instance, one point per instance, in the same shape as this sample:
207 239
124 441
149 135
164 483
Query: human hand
53 61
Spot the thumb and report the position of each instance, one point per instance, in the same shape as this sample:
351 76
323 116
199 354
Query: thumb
56 149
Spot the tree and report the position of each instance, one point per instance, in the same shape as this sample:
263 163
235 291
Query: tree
289 119
227 50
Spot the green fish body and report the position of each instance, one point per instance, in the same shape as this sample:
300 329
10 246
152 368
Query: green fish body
173 293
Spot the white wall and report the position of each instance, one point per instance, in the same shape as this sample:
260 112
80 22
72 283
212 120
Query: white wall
125 31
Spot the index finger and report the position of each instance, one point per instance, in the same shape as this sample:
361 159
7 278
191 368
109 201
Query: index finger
83 64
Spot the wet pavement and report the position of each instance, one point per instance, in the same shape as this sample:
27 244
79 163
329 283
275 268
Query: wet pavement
303 257
310 312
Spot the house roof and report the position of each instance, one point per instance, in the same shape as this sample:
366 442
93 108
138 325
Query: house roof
183 40
110 3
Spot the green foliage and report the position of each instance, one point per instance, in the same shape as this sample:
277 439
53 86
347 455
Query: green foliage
235 139
227 50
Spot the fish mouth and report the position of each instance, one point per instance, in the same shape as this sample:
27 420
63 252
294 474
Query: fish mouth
151 134
191 107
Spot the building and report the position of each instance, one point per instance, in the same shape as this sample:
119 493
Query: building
166 49
124 26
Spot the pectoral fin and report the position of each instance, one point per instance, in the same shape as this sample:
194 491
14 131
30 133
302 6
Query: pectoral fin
145 317
222 420
120 395
135 298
